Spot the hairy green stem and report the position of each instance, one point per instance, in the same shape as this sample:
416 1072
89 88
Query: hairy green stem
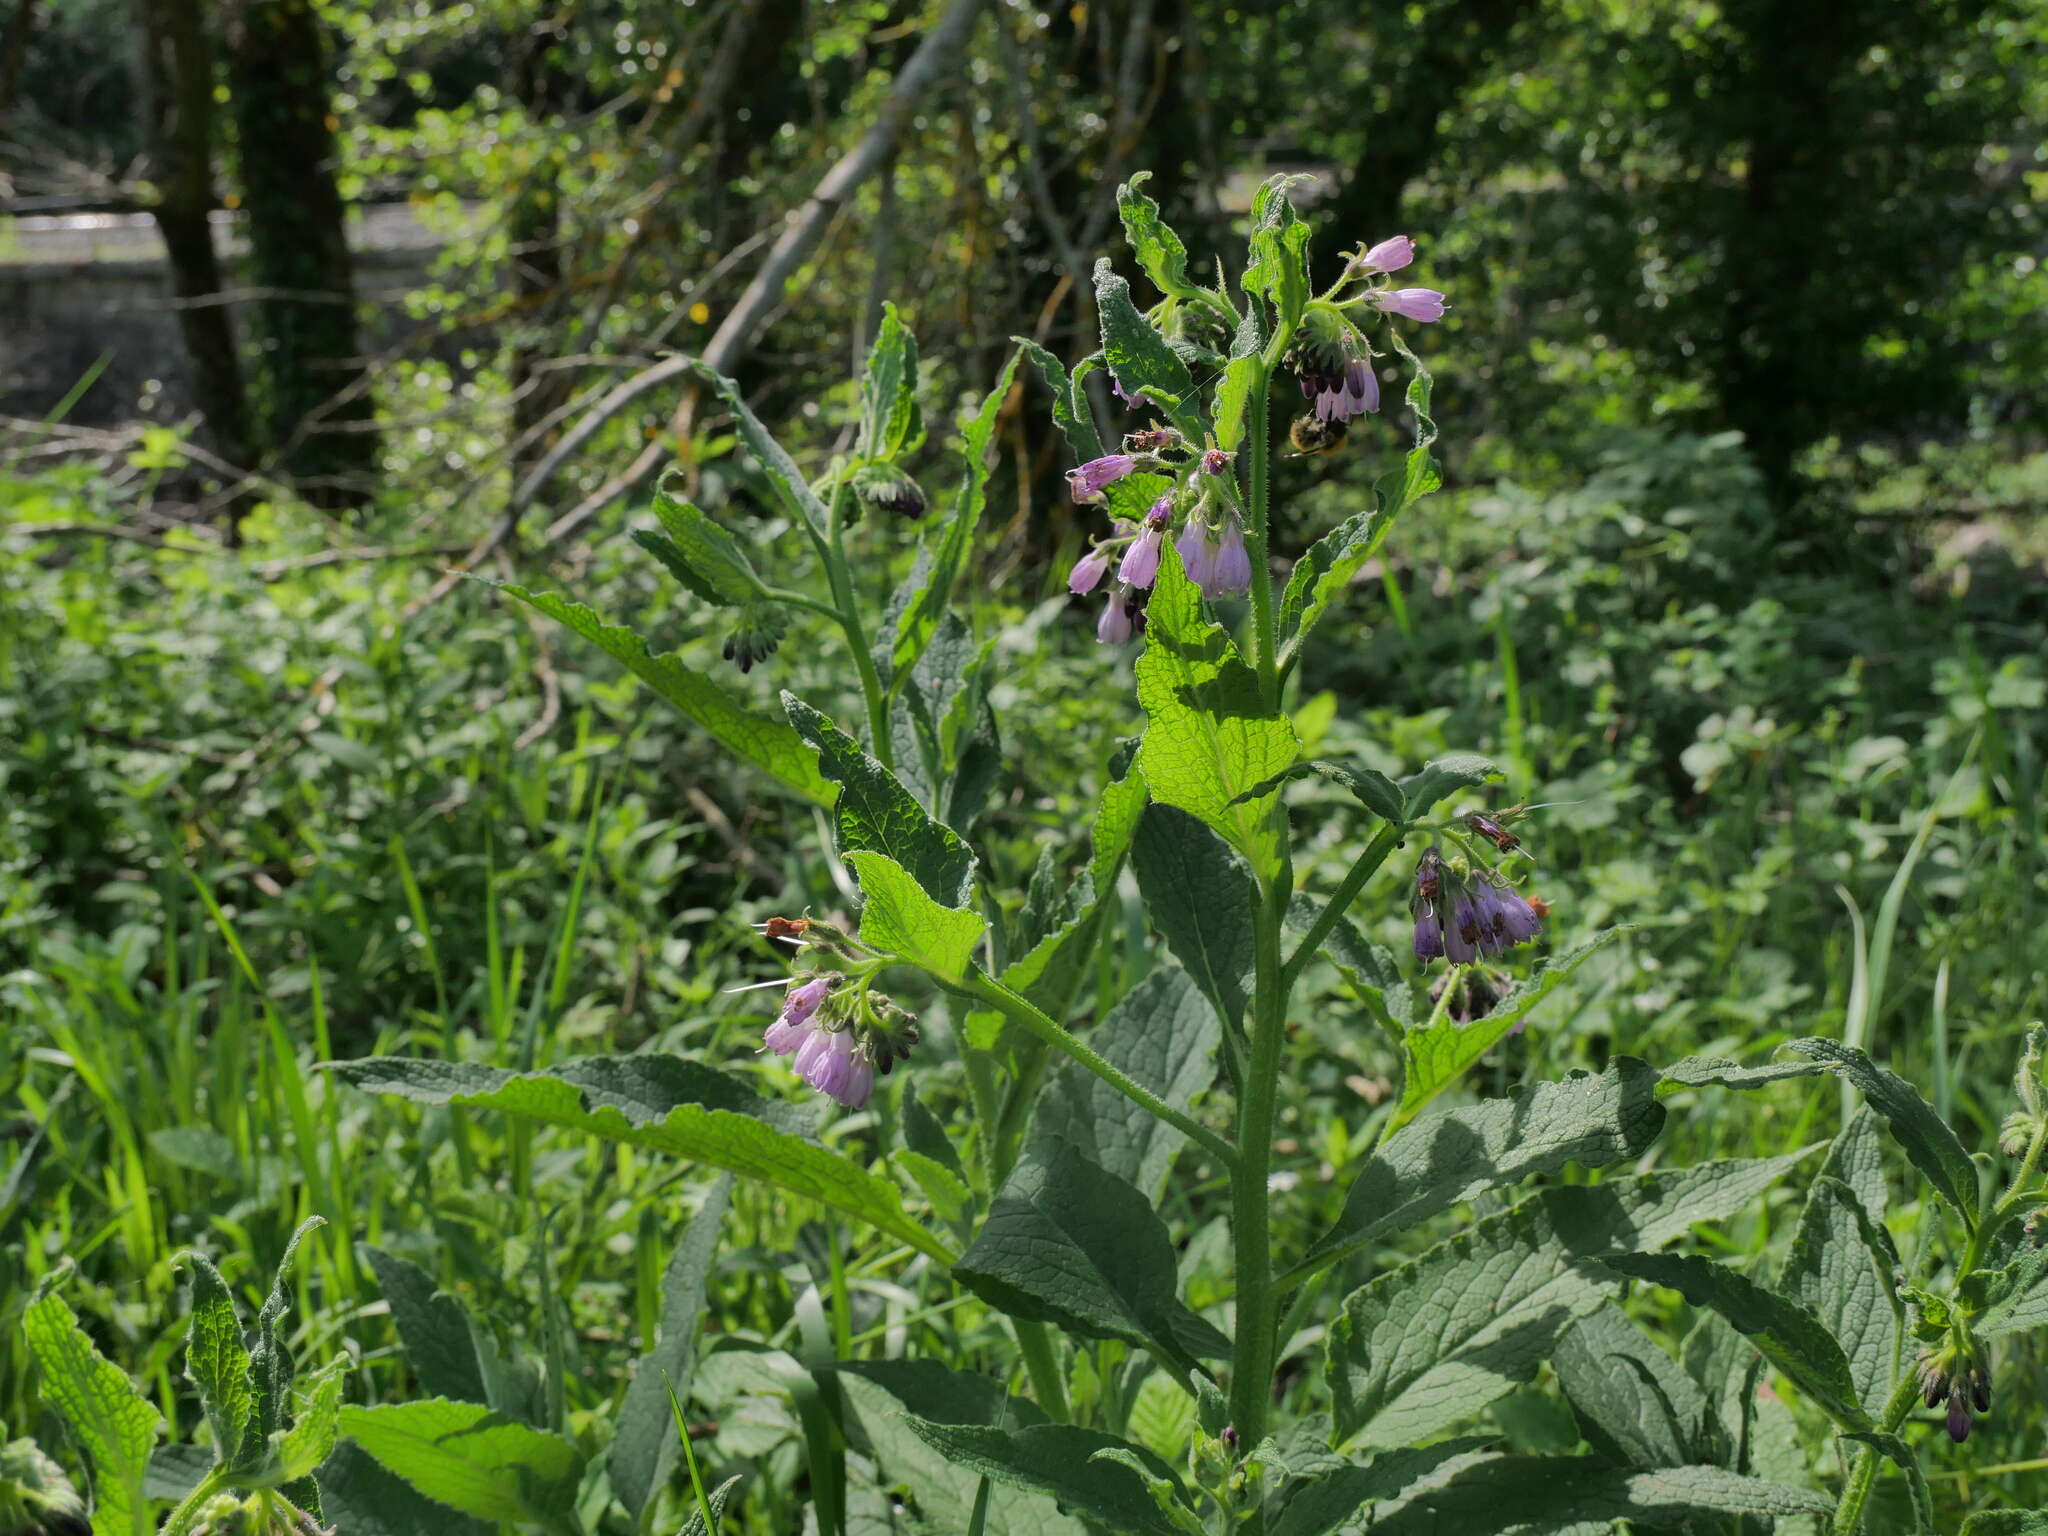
1251 1380
1041 1359
1363 868
1023 1011
188 1509
847 610
1856 1491
1265 625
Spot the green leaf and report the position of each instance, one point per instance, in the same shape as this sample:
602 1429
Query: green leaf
358 1496
899 918
1714 1072
2006 1522
1070 410
1857 1159
1925 1136
1067 1242
1062 1460
1140 357
768 744
315 1427
1278 268
1633 1402
1783 1331
1158 249
1332 1500
1367 968
665 1104
1372 789
925 1134
107 1417
1841 1266
1424 1346
788 482
717 1499
1162 1033
1651 1209
1445 776
270 1362
1439 1162
473 1460
1209 735
1200 895
2018 1297
703 556
1326 571
1437 1055
1581 1496
217 1362
924 601
875 812
1896 1451
432 1327
942 1187
644 1448
891 423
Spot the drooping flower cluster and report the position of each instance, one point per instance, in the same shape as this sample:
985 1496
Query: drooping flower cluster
1331 358
838 1033
1202 498
1462 912
1955 1373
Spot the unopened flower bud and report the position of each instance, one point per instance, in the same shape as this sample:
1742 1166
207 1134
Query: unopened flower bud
1216 460
1389 255
1411 303
1088 572
1086 482
883 485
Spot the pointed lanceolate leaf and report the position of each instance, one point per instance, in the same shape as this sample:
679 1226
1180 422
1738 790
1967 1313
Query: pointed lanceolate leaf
1200 895
1438 1054
1210 735
791 488
359 1496
1634 1403
702 555
217 1361
316 1425
471 1459
898 918
432 1327
768 744
875 812
1158 249
665 1104
1069 1243
1062 1460
1161 1032
1581 1496
891 423
1841 1266
1140 357
1445 776
270 1361
1330 1505
105 1415
1436 1163
1715 1072
1790 1336
1925 1136
1371 788
1070 410
644 1448
1920 1497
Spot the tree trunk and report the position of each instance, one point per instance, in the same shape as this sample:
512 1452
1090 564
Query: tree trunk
316 387
178 88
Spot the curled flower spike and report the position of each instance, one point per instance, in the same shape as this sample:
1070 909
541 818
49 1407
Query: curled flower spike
1388 256
1461 919
1141 561
1086 483
1334 367
1216 460
832 1063
1411 303
1088 572
793 1027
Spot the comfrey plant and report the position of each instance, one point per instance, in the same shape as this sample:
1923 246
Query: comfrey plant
1352 1377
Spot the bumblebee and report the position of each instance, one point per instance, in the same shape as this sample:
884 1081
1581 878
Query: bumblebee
1311 436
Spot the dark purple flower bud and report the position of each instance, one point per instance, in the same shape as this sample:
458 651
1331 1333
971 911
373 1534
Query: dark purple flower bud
1388 256
1086 483
1412 303
1088 572
1216 460
1958 1418
1980 1389
1462 931
885 486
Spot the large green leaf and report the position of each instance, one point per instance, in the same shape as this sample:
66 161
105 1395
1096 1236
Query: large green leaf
1323 574
2006 1522
1063 1460
899 918
1068 1242
1633 1402
926 597
1200 895
1437 1055
768 744
875 812
701 555
432 1327
359 1496
1787 1334
665 1104
1070 410
473 1460
1582 1496
644 1447
1140 357
1336 1499
1162 1033
1209 735
1925 1136
1371 788
1278 268
1436 1163
1841 1266
107 1417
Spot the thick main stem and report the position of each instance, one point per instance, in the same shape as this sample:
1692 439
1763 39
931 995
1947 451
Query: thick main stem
848 611
1856 1492
1265 623
1251 1382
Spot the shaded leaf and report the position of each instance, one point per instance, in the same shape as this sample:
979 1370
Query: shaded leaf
1200 895
1070 412
473 1460
1421 791
1634 1403
1841 1266
1140 357
1924 1135
432 1327
106 1416
1714 1072
358 1496
1062 1460
890 422
1578 1496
